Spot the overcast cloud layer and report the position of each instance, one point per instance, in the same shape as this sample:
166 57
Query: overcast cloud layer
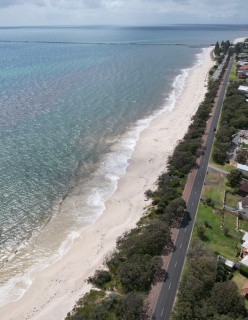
121 12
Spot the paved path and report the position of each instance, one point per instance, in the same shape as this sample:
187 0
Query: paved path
169 287
218 169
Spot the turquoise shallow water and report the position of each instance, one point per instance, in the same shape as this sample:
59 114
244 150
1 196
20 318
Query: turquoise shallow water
70 118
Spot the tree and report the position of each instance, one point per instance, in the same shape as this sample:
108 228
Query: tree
137 273
130 307
241 156
234 178
201 231
225 299
101 277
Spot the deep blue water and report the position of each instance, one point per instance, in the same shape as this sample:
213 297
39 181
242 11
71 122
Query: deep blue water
63 109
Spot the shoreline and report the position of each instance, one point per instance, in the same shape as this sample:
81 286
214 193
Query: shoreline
55 289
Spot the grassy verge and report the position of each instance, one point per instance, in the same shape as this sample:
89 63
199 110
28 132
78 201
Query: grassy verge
212 177
233 76
216 192
221 244
243 225
232 200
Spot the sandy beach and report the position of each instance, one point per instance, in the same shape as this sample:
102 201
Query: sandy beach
56 289
239 40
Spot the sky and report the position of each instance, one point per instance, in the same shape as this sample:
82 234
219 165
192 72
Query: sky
121 12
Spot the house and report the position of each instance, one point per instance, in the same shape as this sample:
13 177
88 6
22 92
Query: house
243 207
242 55
243 189
243 89
245 67
244 248
243 168
241 74
242 63
244 290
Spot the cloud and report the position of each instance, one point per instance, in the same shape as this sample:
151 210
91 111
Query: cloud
122 11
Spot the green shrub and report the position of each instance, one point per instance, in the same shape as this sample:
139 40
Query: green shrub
229 277
244 271
101 277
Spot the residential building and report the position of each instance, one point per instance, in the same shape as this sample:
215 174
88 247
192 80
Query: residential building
243 189
243 168
244 291
244 247
245 67
243 206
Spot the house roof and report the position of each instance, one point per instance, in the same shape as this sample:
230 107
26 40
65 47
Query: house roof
245 245
245 237
243 88
243 68
242 167
245 286
245 202
229 263
244 261
244 186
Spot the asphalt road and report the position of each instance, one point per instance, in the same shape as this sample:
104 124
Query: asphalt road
168 291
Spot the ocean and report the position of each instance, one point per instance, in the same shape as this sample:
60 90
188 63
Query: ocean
71 115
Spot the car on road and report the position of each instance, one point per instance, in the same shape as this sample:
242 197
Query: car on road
214 129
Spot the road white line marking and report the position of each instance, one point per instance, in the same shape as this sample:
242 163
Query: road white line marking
195 192
192 203
181 245
169 286
162 312
175 264
200 174
198 182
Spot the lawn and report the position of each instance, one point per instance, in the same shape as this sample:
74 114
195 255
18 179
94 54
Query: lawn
243 225
232 200
230 222
212 177
216 192
240 281
221 244
233 76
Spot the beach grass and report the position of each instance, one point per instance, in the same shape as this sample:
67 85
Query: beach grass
221 244
232 200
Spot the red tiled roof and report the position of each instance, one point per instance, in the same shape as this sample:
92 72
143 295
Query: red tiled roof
243 68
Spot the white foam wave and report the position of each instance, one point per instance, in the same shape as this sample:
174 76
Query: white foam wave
113 167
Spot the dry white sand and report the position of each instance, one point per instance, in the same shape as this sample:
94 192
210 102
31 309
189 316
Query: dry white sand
239 40
55 289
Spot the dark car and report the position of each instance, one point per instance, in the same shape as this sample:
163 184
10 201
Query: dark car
214 129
